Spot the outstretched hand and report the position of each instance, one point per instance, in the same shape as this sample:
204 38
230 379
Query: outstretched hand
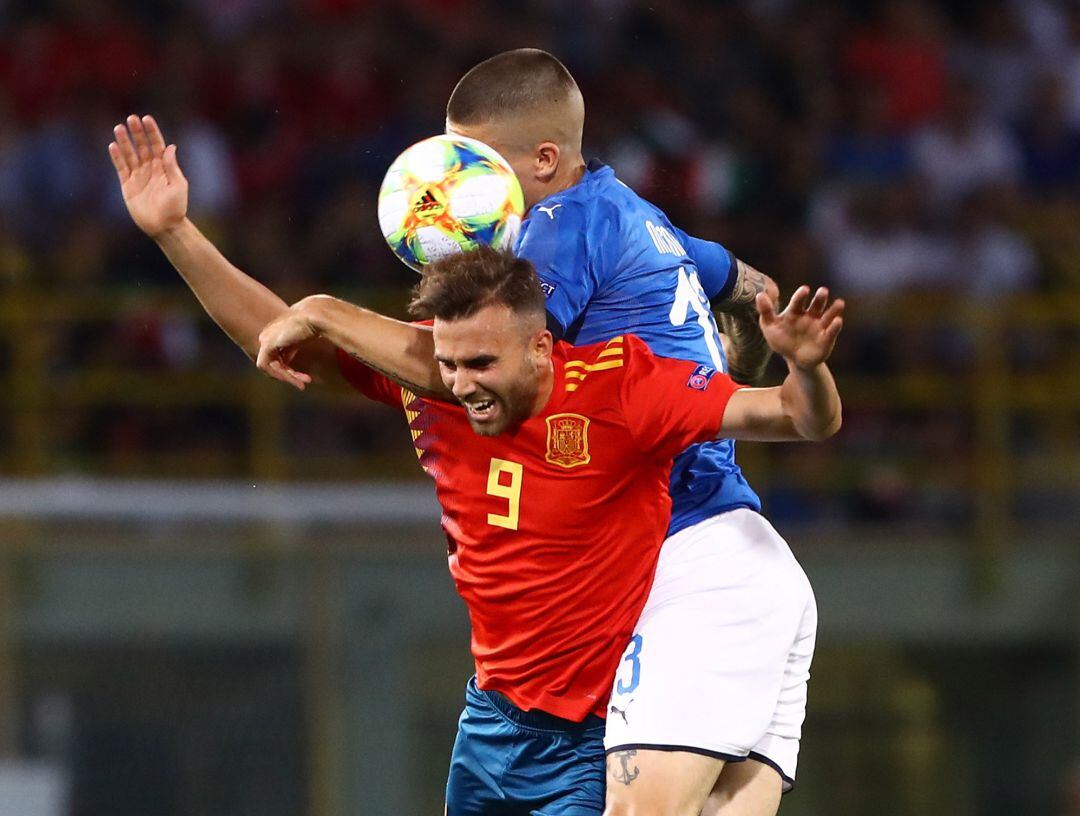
805 332
278 343
155 190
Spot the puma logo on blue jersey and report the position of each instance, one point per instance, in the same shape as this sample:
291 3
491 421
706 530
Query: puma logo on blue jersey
549 210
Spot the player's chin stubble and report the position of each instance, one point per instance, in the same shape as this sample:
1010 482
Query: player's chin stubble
488 428
516 407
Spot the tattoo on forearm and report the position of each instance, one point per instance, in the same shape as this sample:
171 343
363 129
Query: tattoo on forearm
618 766
748 282
419 390
749 354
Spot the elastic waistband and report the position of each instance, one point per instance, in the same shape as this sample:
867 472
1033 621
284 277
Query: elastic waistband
540 720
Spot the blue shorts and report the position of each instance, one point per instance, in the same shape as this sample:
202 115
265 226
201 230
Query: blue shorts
509 762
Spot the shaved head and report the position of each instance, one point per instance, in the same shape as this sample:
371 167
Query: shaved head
526 96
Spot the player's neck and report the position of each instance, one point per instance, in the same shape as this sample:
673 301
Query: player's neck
565 178
544 388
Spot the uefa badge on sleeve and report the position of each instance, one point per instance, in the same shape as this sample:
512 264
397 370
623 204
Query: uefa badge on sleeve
699 380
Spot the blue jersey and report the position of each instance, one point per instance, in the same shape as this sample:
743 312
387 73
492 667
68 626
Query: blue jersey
611 263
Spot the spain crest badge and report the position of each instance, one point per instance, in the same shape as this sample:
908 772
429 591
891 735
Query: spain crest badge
567 440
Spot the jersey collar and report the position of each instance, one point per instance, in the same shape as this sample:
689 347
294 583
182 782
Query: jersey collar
592 168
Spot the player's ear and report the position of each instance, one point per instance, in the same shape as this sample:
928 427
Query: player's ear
546 161
542 344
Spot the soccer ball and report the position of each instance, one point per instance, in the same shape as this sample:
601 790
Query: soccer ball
448 194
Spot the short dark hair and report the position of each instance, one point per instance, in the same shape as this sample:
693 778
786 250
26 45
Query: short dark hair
522 80
460 285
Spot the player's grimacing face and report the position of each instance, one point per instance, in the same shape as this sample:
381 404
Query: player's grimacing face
491 363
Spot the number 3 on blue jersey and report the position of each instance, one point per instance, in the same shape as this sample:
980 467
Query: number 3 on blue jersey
633 657
689 296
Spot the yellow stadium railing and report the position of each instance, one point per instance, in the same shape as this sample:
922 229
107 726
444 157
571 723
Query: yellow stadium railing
986 387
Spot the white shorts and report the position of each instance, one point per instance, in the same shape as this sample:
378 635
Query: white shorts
720 657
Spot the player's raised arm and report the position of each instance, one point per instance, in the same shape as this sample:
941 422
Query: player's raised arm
807 404
156 194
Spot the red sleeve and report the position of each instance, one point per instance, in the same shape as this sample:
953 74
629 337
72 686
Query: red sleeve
369 382
671 404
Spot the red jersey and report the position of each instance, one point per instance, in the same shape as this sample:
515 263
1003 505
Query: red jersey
555 526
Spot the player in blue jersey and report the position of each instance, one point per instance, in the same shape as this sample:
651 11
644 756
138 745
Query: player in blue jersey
717 669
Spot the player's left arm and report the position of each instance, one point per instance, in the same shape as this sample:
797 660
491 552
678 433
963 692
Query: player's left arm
807 405
671 404
732 287
403 352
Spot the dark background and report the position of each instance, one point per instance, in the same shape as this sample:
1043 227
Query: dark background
167 647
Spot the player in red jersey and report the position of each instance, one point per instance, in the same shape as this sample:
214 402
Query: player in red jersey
555 598
535 488
552 475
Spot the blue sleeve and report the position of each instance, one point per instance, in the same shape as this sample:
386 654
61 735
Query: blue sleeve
716 265
556 243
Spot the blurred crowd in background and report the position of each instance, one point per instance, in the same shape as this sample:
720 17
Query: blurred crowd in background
884 148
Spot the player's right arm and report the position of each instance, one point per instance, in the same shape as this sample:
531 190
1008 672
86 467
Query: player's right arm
156 194
398 351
